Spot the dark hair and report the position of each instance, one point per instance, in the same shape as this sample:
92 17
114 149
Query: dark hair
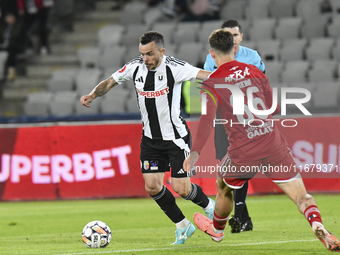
222 41
232 23
152 36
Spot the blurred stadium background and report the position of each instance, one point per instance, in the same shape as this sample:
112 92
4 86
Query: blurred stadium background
51 145
299 42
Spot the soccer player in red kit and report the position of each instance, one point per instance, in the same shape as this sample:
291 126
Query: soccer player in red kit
255 142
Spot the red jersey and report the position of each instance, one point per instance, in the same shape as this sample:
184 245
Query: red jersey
34 5
251 136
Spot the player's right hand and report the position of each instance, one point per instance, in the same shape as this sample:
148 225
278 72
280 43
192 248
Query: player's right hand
189 162
86 100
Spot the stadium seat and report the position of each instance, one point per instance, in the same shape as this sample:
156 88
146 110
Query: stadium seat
326 94
167 30
3 59
279 8
335 6
308 9
207 28
89 57
333 28
257 9
114 101
110 35
152 15
63 79
314 27
336 51
269 49
262 29
293 49
273 71
233 10
61 84
319 48
82 110
288 28
86 80
190 52
186 32
323 70
63 103
131 105
310 86
112 56
37 103
131 53
133 33
249 44
171 50
133 13
295 71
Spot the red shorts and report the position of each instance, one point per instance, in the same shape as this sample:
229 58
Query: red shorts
279 167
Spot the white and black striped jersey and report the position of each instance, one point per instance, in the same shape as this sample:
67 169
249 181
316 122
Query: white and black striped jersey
159 94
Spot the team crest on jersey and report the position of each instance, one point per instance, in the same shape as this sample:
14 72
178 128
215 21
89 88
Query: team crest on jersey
146 165
122 69
160 77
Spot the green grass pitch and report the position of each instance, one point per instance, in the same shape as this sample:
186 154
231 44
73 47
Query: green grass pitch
139 227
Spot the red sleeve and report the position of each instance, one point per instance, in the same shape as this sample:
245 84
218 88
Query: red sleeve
205 125
268 94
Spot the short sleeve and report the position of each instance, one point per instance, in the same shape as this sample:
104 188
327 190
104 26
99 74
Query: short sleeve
124 74
186 72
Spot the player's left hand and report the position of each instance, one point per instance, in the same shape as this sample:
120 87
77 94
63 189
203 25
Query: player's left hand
190 161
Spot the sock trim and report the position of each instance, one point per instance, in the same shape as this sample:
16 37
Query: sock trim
160 194
311 209
193 192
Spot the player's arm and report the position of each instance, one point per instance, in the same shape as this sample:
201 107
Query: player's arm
203 74
205 126
101 89
268 95
259 63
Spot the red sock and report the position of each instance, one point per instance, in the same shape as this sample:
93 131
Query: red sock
312 214
219 223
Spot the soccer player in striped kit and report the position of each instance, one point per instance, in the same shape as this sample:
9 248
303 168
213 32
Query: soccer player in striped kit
166 137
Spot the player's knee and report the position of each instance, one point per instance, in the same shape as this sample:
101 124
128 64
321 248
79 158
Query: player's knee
153 188
183 191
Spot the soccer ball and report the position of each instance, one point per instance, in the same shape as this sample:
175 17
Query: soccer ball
96 234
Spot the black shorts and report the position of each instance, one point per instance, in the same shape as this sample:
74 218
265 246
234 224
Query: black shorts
157 155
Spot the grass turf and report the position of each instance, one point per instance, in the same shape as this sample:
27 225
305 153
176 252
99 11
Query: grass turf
139 227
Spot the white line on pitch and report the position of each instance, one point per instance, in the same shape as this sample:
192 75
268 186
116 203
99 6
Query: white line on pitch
184 247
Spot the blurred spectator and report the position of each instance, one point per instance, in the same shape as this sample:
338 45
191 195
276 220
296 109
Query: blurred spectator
202 10
174 8
153 3
37 11
63 14
10 36
118 4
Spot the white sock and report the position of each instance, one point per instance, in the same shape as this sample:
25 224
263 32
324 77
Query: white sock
218 231
209 206
182 224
